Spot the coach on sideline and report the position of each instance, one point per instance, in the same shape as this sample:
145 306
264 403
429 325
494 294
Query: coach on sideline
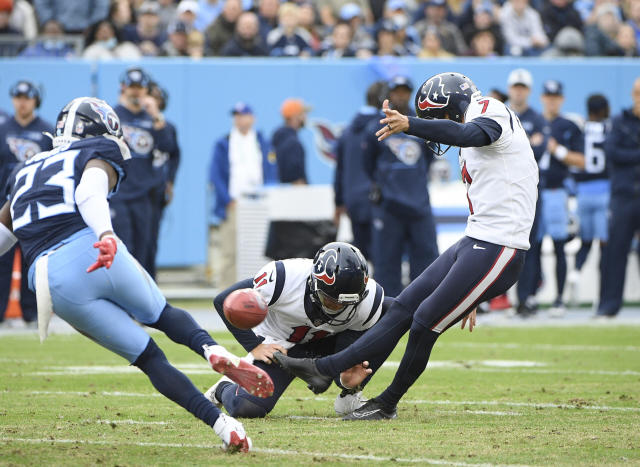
622 147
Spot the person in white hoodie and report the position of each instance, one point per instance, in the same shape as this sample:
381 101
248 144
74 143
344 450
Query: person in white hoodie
522 29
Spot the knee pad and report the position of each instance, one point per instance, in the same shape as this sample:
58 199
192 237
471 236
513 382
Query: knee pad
244 408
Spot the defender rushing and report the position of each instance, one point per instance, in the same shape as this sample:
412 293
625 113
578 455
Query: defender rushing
501 176
58 208
316 308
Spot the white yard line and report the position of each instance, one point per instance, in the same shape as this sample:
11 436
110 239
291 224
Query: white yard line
284 452
125 422
554 347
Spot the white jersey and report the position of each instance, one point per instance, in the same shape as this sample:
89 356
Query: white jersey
501 179
283 285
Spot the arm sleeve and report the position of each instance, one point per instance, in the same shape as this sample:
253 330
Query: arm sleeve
370 153
91 199
477 133
219 178
246 337
337 176
174 157
163 139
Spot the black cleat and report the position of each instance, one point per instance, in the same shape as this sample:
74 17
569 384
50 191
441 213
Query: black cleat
305 369
373 409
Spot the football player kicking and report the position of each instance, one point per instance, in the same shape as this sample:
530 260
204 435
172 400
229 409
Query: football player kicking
315 308
59 212
501 175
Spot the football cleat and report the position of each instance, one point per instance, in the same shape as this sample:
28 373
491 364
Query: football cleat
348 401
305 369
557 310
373 409
254 380
211 392
232 434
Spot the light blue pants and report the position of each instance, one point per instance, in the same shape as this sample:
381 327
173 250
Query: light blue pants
103 304
555 214
593 211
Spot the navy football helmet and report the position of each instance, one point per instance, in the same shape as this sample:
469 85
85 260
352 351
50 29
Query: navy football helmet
444 96
338 282
85 117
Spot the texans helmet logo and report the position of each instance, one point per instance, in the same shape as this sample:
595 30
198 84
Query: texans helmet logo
433 99
108 117
327 261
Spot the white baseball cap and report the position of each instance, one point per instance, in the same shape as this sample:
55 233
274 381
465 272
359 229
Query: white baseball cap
188 5
520 76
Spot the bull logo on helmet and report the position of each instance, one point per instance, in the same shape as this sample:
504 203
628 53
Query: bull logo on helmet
433 99
325 265
107 115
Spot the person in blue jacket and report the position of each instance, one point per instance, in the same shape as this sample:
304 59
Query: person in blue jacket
288 149
240 165
402 217
622 147
145 131
21 137
351 182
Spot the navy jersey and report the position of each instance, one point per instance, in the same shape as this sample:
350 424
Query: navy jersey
43 208
18 143
142 140
567 134
165 162
533 123
4 116
595 161
399 165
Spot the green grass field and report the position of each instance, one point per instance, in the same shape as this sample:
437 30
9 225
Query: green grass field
534 396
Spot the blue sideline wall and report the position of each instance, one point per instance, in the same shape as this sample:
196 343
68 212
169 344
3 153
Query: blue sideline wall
203 92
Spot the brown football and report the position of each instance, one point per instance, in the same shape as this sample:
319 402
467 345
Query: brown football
244 308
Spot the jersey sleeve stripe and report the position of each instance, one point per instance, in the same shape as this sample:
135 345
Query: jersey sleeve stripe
280 276
376 303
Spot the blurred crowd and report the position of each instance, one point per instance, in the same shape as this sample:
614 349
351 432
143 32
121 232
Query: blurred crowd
105 29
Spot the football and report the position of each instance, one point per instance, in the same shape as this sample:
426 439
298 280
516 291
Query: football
244 308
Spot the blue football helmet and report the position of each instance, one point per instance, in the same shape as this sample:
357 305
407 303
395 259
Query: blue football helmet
85 117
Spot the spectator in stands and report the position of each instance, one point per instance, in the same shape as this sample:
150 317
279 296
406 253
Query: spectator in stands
73 15
386 40
6 29
51 45
206 12
221 30
286 144
177 44
268 16
339 44
146 33
622 148
402 218
436 16
406 35
103 43
633 15
316 32
246 42
330 10
483 44
289 39
559 14
362 40
600 36
626 41
483 20
187 11
568 43
166 13
23 19
21 137
121 14
537 128
522 29
432 45
565 148
351 182
195 44
241 164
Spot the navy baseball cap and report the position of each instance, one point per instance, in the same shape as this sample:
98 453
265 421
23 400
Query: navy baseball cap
135 76
399 81
242 108
436 3
24 88
552 87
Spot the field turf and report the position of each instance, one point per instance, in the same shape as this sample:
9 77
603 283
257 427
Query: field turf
526 396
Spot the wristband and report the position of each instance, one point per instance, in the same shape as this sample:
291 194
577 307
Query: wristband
561 153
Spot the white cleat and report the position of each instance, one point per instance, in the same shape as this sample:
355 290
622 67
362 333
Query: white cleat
346 403
254 380
232 434
211 392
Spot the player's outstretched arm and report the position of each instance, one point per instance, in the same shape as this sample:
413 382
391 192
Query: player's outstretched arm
7 239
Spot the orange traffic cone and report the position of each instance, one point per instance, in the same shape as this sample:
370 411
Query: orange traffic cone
13 308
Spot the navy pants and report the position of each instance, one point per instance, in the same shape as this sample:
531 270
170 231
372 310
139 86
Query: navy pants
239 403
27 297
394 234
624 223
133 222
158 204
362 237
532 270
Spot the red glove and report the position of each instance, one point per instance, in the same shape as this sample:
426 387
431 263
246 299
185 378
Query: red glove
108 247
